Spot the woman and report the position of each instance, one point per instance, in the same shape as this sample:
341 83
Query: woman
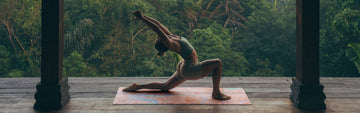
187 69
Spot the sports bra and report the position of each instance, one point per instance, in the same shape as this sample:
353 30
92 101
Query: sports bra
186 48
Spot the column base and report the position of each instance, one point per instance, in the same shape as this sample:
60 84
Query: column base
52 97
307 97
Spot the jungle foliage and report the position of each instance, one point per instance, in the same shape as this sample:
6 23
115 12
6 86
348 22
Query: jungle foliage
251 37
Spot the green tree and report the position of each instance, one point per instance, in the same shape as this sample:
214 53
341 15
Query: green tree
229 10
356 58
214 42
74 66
4 61
264 68
20 24
339 26
251 37
270 35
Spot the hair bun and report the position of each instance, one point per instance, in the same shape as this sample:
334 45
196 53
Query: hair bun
160 47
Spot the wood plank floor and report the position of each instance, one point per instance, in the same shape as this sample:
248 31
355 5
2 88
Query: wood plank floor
95 95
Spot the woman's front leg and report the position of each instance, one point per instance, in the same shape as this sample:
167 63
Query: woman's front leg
172 82
214 66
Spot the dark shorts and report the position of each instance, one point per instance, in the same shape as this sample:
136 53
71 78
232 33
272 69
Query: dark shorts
190 70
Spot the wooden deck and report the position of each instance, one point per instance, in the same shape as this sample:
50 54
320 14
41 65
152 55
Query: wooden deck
95 95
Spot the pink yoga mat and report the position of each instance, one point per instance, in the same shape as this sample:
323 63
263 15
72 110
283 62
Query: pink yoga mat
180 95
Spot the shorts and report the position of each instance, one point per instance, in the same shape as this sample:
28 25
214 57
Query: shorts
190 70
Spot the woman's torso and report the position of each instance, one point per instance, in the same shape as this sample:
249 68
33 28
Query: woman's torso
189 68
186 49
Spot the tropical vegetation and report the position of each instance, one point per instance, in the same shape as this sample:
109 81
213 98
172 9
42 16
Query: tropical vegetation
251 37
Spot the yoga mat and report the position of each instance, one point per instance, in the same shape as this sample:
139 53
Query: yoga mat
180 95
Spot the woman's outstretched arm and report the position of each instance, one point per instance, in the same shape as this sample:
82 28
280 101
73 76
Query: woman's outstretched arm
155 27
162 27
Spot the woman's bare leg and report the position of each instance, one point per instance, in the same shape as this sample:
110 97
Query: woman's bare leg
172 82
214 66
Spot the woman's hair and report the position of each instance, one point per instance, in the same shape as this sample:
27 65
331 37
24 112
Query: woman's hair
159 45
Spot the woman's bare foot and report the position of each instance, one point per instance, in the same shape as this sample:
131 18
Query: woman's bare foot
220 96
131 88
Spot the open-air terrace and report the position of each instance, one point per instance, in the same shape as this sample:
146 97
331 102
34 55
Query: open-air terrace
95 95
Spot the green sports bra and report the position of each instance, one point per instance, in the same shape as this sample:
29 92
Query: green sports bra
186 48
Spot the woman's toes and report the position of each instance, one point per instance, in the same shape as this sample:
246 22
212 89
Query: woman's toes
131 88
221 96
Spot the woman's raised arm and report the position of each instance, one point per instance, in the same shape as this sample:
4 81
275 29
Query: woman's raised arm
162 27
157 27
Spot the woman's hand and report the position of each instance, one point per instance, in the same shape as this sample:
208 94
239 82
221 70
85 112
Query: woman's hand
138 14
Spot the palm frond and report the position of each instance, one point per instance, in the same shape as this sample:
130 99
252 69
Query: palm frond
79 38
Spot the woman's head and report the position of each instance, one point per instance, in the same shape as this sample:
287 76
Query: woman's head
159 45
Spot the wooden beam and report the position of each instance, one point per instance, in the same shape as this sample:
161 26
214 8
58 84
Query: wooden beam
307 42
52 91
307 92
